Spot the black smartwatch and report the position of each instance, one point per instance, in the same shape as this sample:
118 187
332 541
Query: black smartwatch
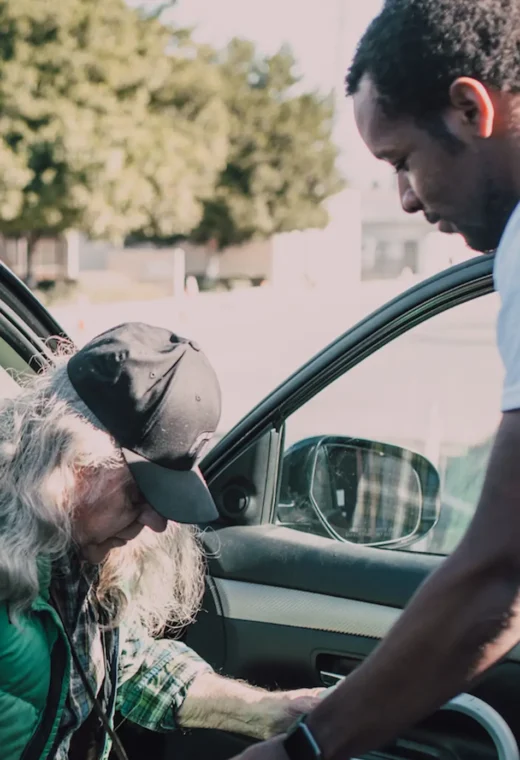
300 744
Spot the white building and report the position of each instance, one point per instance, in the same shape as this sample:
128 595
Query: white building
394 242
369 236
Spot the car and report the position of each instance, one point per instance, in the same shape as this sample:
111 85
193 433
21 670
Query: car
338 495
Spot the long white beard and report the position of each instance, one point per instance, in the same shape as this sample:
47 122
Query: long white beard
158 577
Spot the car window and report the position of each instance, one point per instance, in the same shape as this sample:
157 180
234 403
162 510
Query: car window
435 391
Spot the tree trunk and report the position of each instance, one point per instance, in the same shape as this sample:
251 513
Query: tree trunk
212 272
31 241
212 269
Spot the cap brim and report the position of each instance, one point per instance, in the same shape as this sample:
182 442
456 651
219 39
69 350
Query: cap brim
180 495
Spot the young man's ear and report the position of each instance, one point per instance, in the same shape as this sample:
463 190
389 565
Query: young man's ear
472 102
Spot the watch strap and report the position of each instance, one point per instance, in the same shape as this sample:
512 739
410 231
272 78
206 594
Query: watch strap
300 744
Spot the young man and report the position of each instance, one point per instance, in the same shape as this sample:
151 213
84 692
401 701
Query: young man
436 89
98 470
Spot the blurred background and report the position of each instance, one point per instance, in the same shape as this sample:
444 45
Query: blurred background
195 164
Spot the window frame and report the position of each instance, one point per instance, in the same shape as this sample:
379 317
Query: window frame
479 288
452 287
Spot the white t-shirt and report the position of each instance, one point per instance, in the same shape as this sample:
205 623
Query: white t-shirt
507 282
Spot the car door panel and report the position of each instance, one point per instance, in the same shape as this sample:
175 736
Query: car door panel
246 622
282 557
296 639
275 605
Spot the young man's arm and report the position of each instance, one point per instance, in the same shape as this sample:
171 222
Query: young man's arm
462 620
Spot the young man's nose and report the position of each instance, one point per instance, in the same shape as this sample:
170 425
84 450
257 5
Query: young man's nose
409 200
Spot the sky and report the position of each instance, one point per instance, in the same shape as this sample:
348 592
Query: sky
322 34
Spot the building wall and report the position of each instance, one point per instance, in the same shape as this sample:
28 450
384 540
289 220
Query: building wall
327 258
369 237
392 239
50 258
250 261
146 264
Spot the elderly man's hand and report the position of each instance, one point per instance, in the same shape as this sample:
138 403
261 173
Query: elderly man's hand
286 707
222 703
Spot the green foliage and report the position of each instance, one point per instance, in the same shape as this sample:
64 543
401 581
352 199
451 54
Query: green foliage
113 122
110 122
281 164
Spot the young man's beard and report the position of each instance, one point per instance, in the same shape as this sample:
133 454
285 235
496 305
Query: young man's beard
497 206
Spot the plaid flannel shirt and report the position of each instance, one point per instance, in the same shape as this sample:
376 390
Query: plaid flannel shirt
388 493
366 496
153 675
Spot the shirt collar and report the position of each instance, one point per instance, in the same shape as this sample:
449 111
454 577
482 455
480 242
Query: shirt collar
510 233
71 568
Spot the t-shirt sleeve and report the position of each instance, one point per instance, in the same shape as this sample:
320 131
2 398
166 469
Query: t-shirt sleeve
507 283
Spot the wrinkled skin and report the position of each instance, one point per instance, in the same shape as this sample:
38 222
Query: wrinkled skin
114 519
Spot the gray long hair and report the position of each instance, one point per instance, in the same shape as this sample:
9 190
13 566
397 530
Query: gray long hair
47 436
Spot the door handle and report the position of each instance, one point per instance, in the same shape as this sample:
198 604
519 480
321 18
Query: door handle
328 678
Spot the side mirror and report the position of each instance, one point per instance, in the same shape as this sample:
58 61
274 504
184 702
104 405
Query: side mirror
358 491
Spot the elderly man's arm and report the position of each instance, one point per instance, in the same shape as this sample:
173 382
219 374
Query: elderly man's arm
222 703
463 619
163 685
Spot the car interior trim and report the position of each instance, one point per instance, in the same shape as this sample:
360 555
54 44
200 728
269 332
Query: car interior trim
275 605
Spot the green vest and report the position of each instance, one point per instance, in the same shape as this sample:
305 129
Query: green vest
34 678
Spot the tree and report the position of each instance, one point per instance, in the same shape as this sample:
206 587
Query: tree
110 122
281 164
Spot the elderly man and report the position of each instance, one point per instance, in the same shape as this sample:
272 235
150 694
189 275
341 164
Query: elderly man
97 464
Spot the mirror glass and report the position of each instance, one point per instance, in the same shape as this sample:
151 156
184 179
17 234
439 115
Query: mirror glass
365 496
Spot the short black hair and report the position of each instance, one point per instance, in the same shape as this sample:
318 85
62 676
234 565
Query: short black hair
415 49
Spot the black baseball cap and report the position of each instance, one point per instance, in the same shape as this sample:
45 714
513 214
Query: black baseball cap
158 396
